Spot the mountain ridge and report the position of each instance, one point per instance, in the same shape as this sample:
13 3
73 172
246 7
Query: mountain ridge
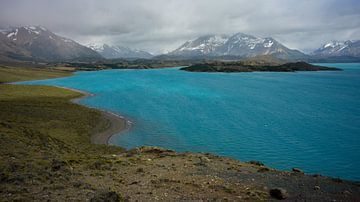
116 51
339 48
40 43
37 43
239 44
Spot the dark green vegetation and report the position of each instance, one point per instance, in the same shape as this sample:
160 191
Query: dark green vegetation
128 64
253 66
46 154
107 64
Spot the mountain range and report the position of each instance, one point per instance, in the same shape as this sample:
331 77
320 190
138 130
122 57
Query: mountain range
339 48
111 52
29 43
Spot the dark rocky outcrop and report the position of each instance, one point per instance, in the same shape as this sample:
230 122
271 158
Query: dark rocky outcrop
278 193
106 196
241 66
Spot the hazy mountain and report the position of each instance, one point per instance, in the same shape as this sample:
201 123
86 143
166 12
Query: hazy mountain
339 48
111 52
241 45
40 43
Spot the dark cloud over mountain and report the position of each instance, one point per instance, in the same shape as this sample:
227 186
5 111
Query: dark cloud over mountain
162 25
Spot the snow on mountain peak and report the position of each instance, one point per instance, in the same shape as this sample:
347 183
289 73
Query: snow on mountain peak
32 30
204 44
339 48
244 40
218 39
13 33
333 44
67 40
268 44
96 46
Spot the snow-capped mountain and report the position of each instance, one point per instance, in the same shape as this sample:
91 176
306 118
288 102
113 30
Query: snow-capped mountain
339 48
111 52
239 44
45 45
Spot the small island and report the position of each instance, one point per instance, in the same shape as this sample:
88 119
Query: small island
246 66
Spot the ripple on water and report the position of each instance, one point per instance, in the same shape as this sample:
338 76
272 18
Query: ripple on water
309 120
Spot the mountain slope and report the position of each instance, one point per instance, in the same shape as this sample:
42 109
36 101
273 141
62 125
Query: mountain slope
112 52
45 45
10 51
242 45
339 48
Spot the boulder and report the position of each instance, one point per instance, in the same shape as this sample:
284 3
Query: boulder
297 170
278 193
258 163
106 196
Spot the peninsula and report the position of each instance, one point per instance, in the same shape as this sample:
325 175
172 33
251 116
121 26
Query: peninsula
244 66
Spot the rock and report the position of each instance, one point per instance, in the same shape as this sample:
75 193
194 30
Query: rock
263 169
100 165
278 193
155 150
258 163
316 188
132 152
346 192
140 170
57 165
205 159
297 170
106 196
77 184
337 180
134 182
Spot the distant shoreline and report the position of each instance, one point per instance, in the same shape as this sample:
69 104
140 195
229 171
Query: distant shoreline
118 123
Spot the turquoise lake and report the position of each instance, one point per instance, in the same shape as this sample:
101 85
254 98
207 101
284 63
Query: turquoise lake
309 120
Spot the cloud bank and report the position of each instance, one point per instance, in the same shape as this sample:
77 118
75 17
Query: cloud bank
162 25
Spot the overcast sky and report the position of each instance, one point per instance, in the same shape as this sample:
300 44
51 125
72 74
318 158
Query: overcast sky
162 25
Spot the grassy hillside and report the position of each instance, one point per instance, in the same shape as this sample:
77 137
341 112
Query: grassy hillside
40 131
12 74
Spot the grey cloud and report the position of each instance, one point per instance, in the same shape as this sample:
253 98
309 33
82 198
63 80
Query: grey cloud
161 25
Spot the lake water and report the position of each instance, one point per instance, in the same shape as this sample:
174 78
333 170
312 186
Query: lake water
309 120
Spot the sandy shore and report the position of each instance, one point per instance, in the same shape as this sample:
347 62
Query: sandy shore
118 123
